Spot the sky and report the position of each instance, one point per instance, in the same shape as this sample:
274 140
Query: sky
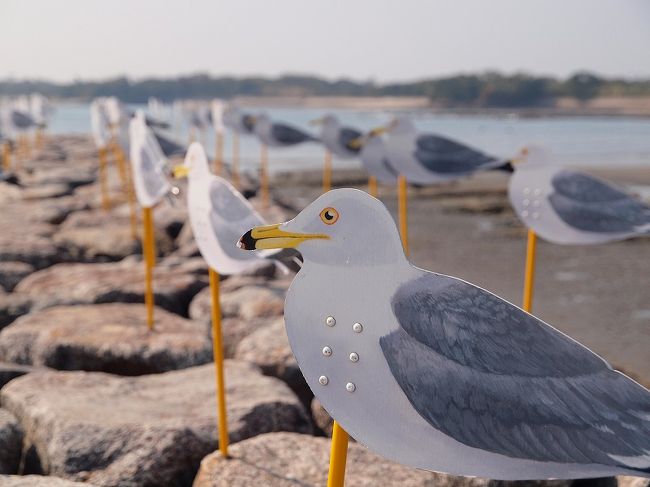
382 40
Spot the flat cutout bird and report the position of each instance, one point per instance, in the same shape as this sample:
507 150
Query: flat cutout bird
434 372
566 206
277 134
338 139
430 158
219 214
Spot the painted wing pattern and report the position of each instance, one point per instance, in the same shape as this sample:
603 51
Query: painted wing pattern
347 135
592 205
496 378
288 135
443 155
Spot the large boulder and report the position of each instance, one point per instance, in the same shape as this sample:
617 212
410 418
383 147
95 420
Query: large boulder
37 481
12 306
110 338
10 371
95 235
268 348
148 431
110 282
11 273
290 459
11 443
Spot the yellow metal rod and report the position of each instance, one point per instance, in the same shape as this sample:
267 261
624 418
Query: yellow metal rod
235 160
338 456
327 171
264 175
529 278
103 179
372 186
147 254
127 188
402 206
217 350
218 154
6 157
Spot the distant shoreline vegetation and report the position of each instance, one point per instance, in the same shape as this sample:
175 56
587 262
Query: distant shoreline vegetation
482 90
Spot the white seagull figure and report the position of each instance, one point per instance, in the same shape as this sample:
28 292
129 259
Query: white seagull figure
436 373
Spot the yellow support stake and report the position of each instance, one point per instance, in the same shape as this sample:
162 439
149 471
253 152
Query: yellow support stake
235 160
264 175
338 456
103 179
217 350
148 250
529 278
127 188
402 206
372 186
218 154
6 157
327 171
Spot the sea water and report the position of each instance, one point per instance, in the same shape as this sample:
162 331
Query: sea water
587 141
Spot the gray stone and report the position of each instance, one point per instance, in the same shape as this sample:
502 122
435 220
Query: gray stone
321 417
110 338
149 430
95 235
12 272
268 348
11 371
11 443
290 459
12 306
110 282
37 481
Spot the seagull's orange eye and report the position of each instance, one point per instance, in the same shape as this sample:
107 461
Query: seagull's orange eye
329 216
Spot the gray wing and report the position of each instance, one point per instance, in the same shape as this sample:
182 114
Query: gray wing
587 189
496 378
443 155
22 120
151 178
287 135
230 218
347 135
592 205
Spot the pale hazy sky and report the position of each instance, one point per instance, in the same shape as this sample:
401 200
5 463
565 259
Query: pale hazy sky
362 39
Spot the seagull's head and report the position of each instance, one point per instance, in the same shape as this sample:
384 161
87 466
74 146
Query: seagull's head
195 163
342 227
401 126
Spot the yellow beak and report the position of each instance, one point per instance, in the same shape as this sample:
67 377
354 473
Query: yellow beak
318 121
355 143
378 131
180 171
272 237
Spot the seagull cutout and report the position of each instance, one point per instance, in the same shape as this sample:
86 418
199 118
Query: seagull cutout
148 163
238 121
565 206
429 159
276 134
436 373
219 214
338 139
374 156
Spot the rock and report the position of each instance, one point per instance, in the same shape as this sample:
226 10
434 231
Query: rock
625 481
321 417
246 303
46 191
290 459
171 218
108 283
37 481
95 236
11 443
148 431
29 242
12 272
11 371
268 348
12 306
111 338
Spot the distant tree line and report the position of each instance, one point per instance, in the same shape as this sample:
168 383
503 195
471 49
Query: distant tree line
482 90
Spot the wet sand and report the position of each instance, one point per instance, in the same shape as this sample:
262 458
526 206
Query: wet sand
599 295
